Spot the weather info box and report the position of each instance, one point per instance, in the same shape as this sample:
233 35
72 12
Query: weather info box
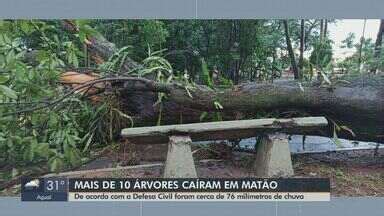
168 189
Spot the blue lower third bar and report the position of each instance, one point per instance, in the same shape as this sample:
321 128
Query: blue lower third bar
42 196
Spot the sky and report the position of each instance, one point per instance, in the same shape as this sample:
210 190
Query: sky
339 31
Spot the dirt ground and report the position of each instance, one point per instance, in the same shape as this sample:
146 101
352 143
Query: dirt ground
358 178
359 173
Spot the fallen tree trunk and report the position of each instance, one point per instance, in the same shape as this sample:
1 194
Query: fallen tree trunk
100 49
358 107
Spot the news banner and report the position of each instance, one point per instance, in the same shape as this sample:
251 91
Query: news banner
161 189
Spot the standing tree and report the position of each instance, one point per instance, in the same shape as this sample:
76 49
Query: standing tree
290 51
378 45
302 45
325 28
362 44
321 30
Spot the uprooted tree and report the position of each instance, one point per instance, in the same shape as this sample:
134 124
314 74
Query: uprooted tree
355 106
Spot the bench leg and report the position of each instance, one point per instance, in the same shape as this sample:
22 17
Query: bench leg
179 163
273 157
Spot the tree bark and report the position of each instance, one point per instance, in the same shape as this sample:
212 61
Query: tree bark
321 30
358 106
302 41
290 51
325 28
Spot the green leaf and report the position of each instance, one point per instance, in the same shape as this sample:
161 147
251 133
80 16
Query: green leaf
218 106
15 172
29 152
207 79
43 150
53 120
335 137
124 116
26 27
73 156
188 92
218 117
3 79
8 92
56 164
90 138
325 77
203 115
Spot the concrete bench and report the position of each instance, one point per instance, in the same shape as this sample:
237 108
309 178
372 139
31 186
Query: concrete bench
272 159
